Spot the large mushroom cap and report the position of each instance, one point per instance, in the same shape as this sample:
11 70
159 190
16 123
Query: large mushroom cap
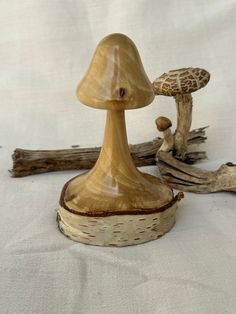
116 78
181 81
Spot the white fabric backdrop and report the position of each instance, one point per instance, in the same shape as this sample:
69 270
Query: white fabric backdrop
45 48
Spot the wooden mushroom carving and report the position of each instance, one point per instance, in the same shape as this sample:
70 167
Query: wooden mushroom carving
114 204
164 125
180 84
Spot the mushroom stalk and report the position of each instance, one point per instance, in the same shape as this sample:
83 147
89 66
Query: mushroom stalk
184 120
168 142
115 150
90 203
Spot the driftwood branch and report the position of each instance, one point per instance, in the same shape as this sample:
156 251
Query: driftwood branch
28 162
191 179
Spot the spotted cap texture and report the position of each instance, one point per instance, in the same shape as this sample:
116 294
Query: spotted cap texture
181 81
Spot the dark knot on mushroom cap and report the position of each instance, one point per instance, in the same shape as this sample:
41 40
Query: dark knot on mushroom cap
181 81
121 92
163 123
116 78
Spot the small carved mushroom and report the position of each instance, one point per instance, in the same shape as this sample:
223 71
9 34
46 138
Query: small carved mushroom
164 125
180 84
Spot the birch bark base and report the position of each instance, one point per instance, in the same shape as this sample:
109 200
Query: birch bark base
116 230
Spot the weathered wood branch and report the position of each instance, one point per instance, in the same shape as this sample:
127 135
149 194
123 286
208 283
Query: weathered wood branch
191 179
28 162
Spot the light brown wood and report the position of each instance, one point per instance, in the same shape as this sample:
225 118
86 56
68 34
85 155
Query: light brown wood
180 84
184 121
164 125
115 81
114 184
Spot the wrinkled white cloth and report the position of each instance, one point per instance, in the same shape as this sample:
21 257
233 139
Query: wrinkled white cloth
45 48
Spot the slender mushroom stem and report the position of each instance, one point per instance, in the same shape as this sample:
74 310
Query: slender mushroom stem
115 149
164 125
168 142
184 121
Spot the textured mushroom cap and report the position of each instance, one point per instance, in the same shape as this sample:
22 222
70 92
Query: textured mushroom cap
181 81
163 123
116 78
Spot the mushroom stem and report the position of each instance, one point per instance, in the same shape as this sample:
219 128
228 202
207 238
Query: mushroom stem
168 142
114 183
115 149
184 120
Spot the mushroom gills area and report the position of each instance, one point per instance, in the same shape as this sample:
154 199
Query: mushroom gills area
114 184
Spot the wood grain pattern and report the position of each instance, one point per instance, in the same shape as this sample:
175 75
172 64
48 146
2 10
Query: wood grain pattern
114 183
115 81
116 78
29 162
184 107
192 179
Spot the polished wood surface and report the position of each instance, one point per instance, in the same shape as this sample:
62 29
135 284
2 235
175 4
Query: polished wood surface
115 81
116 78
114 183
114 188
